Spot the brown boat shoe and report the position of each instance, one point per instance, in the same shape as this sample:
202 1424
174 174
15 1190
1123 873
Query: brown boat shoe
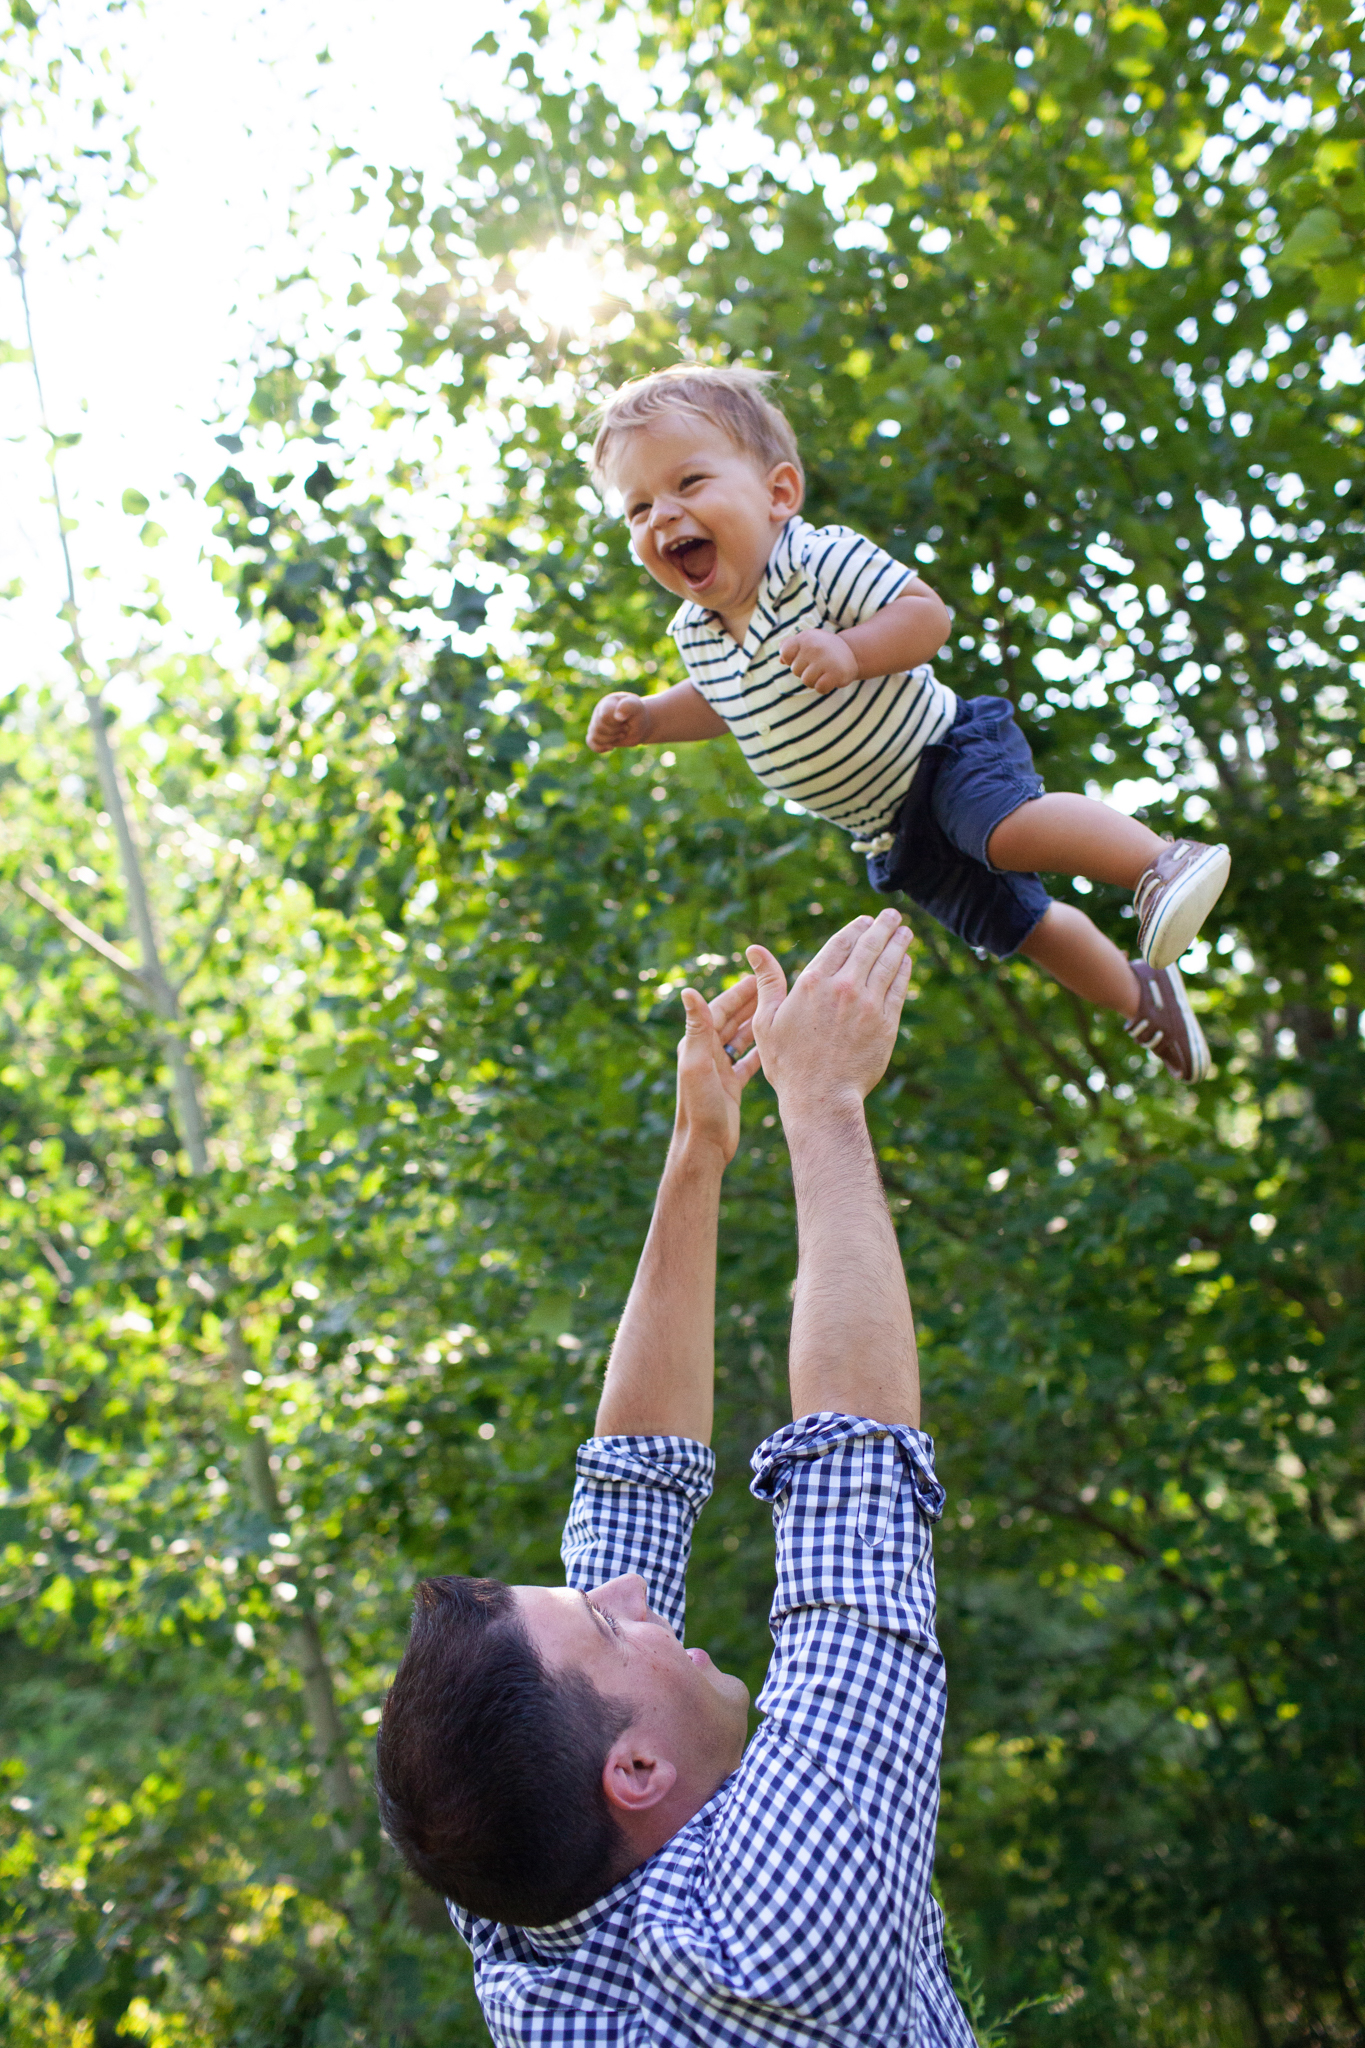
1166 1025
1175 895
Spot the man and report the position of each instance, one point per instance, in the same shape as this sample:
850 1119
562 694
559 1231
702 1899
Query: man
574 1780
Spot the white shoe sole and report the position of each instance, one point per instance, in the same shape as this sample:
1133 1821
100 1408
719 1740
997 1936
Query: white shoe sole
1200 1060
1177 924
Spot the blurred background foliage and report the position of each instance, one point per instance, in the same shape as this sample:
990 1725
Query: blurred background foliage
1068 306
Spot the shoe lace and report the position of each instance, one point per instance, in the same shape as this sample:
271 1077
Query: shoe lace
1149 886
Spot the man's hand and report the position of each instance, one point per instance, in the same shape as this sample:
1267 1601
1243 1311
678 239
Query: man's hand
619 720
822 660
710 1082
832 1036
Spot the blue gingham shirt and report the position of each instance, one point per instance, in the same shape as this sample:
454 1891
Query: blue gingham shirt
795 1906
849 755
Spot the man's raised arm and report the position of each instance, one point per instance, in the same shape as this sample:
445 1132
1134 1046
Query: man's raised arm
660 1379
825 1045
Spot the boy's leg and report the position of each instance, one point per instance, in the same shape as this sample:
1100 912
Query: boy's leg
1175 882
1152 1000
1073 951
1074 835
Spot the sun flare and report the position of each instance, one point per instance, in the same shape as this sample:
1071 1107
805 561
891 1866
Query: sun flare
561 287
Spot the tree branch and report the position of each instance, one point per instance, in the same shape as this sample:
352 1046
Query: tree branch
972 997
1035 1031
156 990
319 1691
55 1259
114 955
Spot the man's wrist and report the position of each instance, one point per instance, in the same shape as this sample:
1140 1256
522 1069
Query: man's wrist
807 1107
695 1154
831 1124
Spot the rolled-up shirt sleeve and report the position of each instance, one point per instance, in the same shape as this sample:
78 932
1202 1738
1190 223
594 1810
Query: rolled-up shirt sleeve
635 1504
819 1866
854 1503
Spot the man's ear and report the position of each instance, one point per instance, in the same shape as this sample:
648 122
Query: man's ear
634 1776
787 491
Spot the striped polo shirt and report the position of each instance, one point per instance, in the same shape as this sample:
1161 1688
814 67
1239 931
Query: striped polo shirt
848 756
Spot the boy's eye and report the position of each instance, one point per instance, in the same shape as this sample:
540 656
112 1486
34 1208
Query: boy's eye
698 477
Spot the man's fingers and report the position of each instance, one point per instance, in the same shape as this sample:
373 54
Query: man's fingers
885 967
872 942
731 1021
696 1013
900 983
771 981
732 1005
838 946
745 1069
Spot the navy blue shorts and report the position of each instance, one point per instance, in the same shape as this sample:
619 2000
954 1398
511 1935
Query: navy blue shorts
979 772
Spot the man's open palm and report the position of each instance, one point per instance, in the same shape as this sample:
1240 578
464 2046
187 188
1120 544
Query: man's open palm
710 1082
833 1033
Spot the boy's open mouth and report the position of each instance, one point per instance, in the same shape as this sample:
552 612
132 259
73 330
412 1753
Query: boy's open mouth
695 560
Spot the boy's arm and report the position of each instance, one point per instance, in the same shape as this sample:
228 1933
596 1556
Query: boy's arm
902 635
625 720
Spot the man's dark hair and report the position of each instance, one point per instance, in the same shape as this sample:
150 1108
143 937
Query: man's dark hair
489 1766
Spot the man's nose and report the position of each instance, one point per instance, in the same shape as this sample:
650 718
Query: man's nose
625 1597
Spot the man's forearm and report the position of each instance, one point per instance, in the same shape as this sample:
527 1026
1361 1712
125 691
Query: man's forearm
662 1368
852 1340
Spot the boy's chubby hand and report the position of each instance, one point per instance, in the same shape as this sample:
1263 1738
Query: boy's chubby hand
822 660
619 720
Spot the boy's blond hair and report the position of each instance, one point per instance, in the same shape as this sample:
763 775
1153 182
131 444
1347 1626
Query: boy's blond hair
732 398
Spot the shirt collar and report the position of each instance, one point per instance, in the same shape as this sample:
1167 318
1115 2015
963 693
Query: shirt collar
564 1935
783 566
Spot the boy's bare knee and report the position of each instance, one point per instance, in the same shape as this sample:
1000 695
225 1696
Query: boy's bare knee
1038 943
1002 849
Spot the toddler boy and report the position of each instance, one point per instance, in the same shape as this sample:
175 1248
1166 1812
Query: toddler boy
812 647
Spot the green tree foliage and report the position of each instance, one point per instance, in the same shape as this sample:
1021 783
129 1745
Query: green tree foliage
1065 303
